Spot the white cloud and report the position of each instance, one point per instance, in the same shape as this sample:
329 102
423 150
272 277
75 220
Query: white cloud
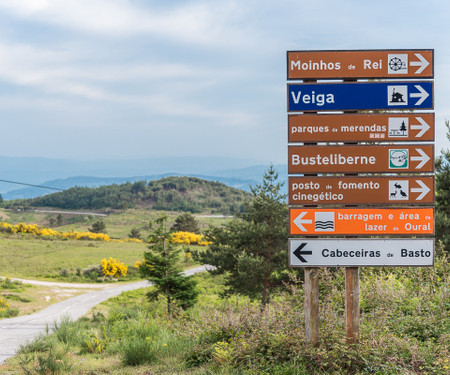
78 72
199 22
172 90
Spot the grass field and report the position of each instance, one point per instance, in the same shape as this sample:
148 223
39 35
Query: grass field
30 257
118 224
27 256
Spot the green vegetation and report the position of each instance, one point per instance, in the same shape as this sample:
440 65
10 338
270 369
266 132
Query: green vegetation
98 227
70 260
186 222
161 267
405 322
405 329
251 249
135 233
11 290
43 259
169 194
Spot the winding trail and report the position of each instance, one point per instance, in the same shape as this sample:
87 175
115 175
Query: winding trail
15 332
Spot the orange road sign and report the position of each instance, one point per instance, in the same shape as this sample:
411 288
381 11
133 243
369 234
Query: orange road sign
361 127
417 190
360 159
361 221
360 64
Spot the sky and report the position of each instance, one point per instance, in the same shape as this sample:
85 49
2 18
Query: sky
130 79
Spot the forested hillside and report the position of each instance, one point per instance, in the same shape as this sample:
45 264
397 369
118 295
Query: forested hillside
171 193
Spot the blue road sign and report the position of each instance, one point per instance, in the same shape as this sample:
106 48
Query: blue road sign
360 96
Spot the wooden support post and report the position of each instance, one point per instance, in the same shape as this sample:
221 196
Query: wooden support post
351 283
311 285
311 288
352 304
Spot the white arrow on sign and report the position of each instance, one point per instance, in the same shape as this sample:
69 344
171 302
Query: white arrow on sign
423 63
299 221
422 95
423 190
423 127
423 158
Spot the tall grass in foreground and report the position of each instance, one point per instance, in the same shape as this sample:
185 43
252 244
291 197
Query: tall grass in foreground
405 329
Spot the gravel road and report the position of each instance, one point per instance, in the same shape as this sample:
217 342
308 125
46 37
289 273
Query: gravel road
17 331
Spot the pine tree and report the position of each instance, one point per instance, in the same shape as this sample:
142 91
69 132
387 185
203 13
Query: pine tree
186 222
98 227
134 233
161 267
251 249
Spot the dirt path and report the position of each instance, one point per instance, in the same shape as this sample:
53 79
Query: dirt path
63 285
17 331
70 212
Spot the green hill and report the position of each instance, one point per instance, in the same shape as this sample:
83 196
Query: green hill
170 193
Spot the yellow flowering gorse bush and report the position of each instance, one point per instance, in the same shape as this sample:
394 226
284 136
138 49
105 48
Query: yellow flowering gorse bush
48 232
3 305
188 238
112 267
185 238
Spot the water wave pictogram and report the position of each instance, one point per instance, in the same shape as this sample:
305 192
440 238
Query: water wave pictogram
329 224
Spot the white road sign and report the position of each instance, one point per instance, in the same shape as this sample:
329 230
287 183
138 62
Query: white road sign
335 252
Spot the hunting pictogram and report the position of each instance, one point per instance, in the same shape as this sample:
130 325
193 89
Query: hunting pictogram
398 190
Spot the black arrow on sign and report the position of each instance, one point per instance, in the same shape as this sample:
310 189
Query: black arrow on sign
298 252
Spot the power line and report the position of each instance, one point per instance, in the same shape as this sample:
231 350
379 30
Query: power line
38 186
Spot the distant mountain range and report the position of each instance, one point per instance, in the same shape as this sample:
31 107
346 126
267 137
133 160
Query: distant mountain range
64 174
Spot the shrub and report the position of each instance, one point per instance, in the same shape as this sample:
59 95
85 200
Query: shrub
6 311
113 268
188 238
64 272
135 233
50 233
9 284
41 343
55 361
92 271
138 351
93 342
98 227
69 332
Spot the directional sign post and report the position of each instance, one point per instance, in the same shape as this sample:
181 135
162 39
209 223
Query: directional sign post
360 96
360 64
361 159
412 190
387 153
361 221
361 127
323 252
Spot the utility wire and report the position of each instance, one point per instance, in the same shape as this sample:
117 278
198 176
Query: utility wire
38 186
